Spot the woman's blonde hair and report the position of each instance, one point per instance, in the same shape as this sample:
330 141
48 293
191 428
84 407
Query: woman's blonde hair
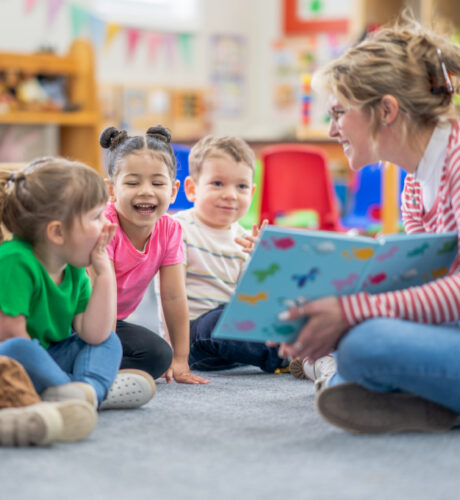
48 189
407 61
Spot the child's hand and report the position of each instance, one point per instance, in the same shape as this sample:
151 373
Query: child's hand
99 258
249 241
182 374
168 375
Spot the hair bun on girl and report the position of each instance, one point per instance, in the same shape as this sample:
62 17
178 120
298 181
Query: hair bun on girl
111 136
160 133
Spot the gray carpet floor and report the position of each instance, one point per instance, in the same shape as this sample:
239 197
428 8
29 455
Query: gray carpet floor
247 435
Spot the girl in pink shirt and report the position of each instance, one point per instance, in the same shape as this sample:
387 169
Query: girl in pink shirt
142 184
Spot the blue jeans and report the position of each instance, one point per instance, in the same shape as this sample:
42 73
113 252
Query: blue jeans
386 355
71 360
208 353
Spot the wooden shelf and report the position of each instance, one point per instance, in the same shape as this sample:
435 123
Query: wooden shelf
77 118
79 130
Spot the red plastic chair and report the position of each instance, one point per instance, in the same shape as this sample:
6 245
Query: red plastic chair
295 177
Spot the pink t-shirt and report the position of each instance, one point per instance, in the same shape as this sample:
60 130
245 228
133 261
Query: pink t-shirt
134 269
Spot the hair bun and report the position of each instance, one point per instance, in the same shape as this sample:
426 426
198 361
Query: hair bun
111 136
160 133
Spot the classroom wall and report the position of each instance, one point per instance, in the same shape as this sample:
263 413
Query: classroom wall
257 20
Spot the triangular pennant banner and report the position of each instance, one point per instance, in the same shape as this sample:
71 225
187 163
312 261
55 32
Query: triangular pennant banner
96 31
78 20
185 44
153 44
169 42
111 31
53 9
132 36
29 5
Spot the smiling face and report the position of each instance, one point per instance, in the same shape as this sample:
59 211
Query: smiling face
142 191
351 126
223 191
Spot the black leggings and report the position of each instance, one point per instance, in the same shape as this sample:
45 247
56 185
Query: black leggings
143 349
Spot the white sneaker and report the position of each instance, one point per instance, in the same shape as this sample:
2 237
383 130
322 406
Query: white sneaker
130 389
41 424
72 390
322 367
33 425
79 418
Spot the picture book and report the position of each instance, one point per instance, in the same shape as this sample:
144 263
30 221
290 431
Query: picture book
291 266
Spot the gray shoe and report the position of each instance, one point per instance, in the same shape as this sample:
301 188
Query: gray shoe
361 411
295 367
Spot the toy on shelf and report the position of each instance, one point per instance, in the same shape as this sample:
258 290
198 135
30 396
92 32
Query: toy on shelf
306 98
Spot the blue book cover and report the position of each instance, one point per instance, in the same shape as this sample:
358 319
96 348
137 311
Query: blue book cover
289 266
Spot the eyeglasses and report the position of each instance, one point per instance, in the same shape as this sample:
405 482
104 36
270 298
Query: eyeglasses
336 114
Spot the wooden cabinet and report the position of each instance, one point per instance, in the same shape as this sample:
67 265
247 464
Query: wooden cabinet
79 130
443 13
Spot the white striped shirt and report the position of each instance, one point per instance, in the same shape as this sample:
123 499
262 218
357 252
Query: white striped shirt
437 301
214 262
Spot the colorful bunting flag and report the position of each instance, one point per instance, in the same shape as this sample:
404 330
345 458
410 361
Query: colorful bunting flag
111 31
132 37
185 44
29 5
153 44
53 9
78 20
96 30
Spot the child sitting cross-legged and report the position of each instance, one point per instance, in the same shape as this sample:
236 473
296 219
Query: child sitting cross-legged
221 187
52 321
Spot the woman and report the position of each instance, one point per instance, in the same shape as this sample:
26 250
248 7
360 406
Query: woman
391 99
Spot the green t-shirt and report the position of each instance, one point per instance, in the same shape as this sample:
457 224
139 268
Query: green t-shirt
26 288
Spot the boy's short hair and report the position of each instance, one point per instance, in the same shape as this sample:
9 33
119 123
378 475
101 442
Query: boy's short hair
211 146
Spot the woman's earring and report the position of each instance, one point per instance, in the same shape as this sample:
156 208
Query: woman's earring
384 123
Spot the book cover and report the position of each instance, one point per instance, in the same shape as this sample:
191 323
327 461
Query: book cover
290 266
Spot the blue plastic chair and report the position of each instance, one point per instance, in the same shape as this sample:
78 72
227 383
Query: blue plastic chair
367 199
182 152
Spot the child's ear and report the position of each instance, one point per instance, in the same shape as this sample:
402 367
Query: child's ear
175 190
190 189
55 232
254 186
109 184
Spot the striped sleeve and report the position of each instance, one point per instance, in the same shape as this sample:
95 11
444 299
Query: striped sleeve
435 302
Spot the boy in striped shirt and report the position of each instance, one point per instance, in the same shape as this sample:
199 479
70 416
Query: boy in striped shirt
216 247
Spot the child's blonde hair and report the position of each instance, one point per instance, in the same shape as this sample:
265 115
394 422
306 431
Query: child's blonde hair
406 61
211 146
48 189
120 145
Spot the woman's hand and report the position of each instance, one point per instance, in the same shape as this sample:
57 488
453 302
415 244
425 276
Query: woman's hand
248 241
321 334
100 261
182 375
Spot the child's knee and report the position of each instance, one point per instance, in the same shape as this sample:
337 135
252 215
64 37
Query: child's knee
18 345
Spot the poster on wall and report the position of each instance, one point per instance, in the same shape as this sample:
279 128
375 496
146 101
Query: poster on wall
315 16
228 74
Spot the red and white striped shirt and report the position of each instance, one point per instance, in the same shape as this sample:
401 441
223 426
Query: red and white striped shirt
438 301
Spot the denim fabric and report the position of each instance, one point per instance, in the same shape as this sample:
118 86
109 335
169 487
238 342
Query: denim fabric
71 360
208 353
386 355
143 349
